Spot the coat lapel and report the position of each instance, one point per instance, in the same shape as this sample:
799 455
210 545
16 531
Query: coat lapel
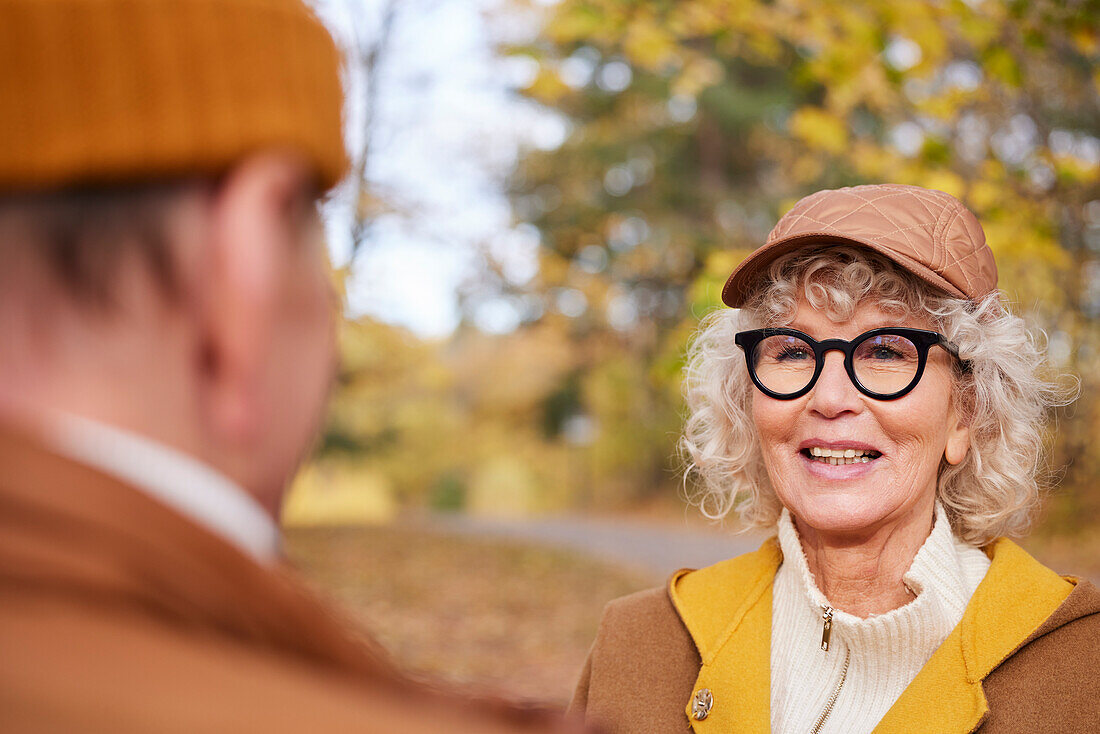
734 648
1012 601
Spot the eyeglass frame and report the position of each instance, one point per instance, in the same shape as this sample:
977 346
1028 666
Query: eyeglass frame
922 339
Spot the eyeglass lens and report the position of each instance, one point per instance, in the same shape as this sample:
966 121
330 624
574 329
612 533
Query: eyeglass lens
883 364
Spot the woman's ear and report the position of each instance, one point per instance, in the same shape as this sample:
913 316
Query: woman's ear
958 439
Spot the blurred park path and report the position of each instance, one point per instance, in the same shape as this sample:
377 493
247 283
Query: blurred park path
655 548
651 548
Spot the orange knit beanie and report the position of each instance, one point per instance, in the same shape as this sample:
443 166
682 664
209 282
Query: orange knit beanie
115 91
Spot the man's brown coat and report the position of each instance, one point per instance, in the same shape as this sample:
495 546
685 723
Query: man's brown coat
118 615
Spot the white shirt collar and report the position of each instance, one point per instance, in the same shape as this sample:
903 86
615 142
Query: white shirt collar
193 489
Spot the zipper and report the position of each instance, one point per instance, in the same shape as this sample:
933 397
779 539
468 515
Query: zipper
826 633
836 692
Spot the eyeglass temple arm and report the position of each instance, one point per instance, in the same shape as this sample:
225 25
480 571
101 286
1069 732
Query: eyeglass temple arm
952 349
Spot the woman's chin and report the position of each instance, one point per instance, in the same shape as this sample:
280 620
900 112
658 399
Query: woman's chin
848 511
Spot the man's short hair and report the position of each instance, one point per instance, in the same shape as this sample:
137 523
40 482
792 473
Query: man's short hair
81 236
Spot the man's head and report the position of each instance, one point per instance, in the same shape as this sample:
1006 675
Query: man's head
161 260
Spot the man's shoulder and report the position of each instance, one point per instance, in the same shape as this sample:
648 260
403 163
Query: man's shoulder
103 664
102 669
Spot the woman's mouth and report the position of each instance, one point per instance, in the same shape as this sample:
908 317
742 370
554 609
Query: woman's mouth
837 457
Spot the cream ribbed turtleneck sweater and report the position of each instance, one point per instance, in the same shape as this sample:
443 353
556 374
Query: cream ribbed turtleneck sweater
878 656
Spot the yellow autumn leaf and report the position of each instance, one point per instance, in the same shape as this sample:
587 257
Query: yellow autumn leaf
547 87
698 73
944 181
984 196
820 129
648 45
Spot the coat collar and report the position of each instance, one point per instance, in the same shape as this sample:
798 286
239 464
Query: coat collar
726 609
75 533
1013 600
186 485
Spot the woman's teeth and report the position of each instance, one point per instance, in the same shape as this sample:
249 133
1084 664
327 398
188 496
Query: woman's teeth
842 456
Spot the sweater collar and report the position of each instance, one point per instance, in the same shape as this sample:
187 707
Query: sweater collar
909 634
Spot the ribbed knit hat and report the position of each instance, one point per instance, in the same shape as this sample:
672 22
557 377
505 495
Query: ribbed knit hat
113 91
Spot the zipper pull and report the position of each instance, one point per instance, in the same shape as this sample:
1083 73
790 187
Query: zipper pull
826 627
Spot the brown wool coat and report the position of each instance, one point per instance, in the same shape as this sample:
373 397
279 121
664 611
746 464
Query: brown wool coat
1025 658
118 615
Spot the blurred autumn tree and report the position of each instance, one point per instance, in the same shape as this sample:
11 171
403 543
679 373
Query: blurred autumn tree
693 125
696 123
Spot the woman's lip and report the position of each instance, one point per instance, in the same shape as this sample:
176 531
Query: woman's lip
836 445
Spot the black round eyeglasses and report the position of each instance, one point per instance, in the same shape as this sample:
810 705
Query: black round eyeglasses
883 364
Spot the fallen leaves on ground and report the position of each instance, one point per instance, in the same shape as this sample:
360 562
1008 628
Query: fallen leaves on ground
503 616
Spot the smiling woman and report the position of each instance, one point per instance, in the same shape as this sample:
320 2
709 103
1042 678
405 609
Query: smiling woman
872 401
992 491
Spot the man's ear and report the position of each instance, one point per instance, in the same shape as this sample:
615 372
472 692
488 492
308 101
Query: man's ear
250 239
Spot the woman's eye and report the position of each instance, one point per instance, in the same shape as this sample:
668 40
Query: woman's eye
881 352
793 353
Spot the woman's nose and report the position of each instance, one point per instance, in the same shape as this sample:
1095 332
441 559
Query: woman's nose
833 393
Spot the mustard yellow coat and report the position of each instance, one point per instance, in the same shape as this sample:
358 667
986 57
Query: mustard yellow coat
1024 658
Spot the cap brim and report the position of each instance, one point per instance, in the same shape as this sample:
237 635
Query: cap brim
746 278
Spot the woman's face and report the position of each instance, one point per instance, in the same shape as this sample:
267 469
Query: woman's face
906 438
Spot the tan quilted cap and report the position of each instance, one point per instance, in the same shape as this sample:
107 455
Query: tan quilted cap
929 233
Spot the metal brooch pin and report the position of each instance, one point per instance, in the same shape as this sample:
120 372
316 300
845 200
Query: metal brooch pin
701 704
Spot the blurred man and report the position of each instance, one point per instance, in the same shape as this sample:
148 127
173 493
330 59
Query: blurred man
166 344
